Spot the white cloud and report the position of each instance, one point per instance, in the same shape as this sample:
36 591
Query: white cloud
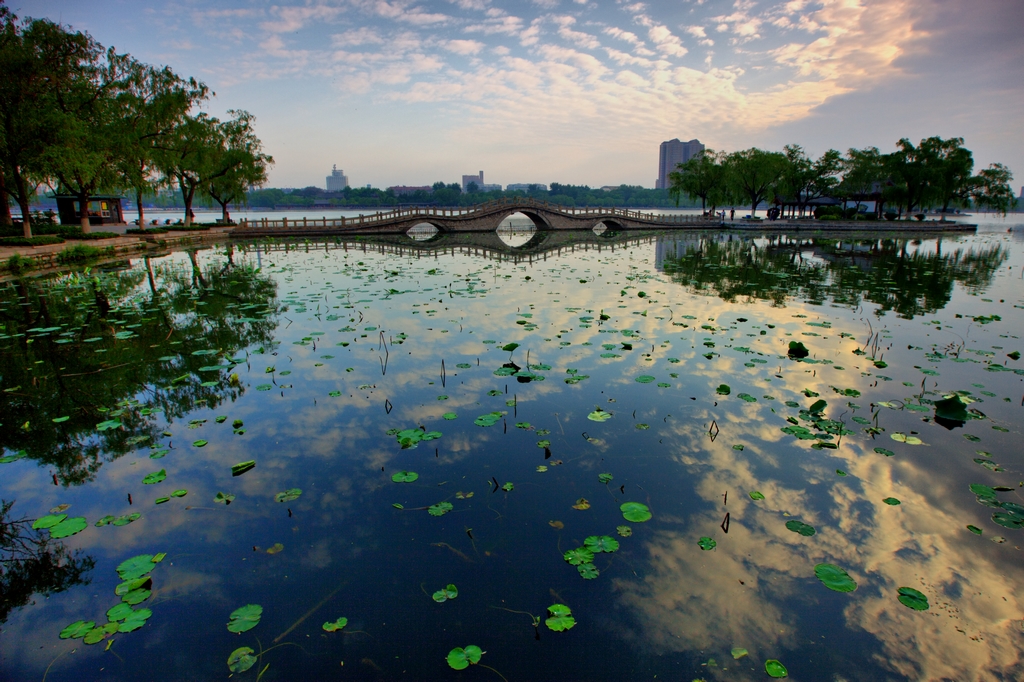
667 42
463 47
579 38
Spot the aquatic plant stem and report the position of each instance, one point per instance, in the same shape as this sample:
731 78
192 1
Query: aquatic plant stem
482 666
309 613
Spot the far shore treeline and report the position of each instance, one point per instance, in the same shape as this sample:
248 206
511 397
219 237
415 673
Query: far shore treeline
83 120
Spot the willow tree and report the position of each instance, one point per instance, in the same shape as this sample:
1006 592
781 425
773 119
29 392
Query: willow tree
754 174
701 176
237 163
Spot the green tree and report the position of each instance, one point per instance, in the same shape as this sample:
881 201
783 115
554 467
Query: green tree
805 180
39 60
991 188
238 163
187 157
864 173
950 168
702 176
754 174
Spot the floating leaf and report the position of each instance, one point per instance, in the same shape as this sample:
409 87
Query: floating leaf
635 512
336 625
245 618
224 498
440 509
800 527
835 578
242 467
775 669
588 571
241 659
601 543
580 555
624 531
460 659
706 543
599 415
48 521
136 596
136 567
746 397
119 612
913 599
891 501
199 443
582 504
723 389
885 451
404 476
155 477
975 530
489 419
644 379
108 425
904 438
604 478
560 618
449 416
276 548
98 634
446 593
288 495
738 652
508 487
77 630
69 527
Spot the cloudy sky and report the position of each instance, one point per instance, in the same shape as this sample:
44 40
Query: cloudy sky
578 91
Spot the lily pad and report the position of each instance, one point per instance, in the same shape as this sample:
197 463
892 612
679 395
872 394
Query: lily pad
755 495
135 620
48 521
891 501
136 567
723 389
746 397
624 531
449 416
288 495
885 451
578 556
738 652
601 543
706 543
560 618
224 498
446 593
588 571
912 599
460 659
155 477
835 578
489 419
69 527
904 438
800 527
644 379
635 512
199 443
604 478
242 467
410 438
119 612
241 659
404 476
77 630
440 509
775 669
245 618
599 415
336 625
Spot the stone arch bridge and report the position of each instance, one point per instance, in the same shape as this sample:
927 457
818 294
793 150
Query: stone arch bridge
480 218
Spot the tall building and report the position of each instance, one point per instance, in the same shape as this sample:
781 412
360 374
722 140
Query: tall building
337 180
478 179
671 155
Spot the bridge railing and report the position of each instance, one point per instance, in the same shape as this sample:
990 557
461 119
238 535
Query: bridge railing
425 214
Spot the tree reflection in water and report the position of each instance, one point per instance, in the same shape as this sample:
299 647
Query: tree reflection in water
137 329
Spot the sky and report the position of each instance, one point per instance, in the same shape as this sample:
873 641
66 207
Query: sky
406 92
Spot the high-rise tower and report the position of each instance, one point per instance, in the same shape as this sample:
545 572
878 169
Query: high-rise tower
673 153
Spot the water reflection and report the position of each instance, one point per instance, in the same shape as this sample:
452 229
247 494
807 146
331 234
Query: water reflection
123 347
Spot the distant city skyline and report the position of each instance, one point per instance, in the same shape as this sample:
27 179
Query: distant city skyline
577 91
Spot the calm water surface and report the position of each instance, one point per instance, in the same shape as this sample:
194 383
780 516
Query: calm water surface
532 392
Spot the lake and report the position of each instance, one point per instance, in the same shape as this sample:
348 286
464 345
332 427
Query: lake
672 456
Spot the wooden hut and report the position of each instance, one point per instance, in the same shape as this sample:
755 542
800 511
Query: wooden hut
103 210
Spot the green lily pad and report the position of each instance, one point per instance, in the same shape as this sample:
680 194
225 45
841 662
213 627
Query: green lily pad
912 599
155 477
508 487
605 478
635 512
100 633
242 467
48 521
601 543
142 582
1012 521
599 415
224 498
241 659
835 578
336 625
136 596
904 438
449 416
706 543
489 419
199 443
410 438
624 531
136 567
723 389
77 630
891 501
746 397
119 612
755 495
738 652
135 620
775 669
975 530
288 495
460 659
108 425
245 618
404 476
588 571
69 527
446 593
578 556
800 527
560 618
440 509
644 379
885 451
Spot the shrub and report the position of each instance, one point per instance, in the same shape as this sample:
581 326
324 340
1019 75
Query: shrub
31 241
17 263
890 215
77 254
182 228
919 216
98 235
828 213
150 230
